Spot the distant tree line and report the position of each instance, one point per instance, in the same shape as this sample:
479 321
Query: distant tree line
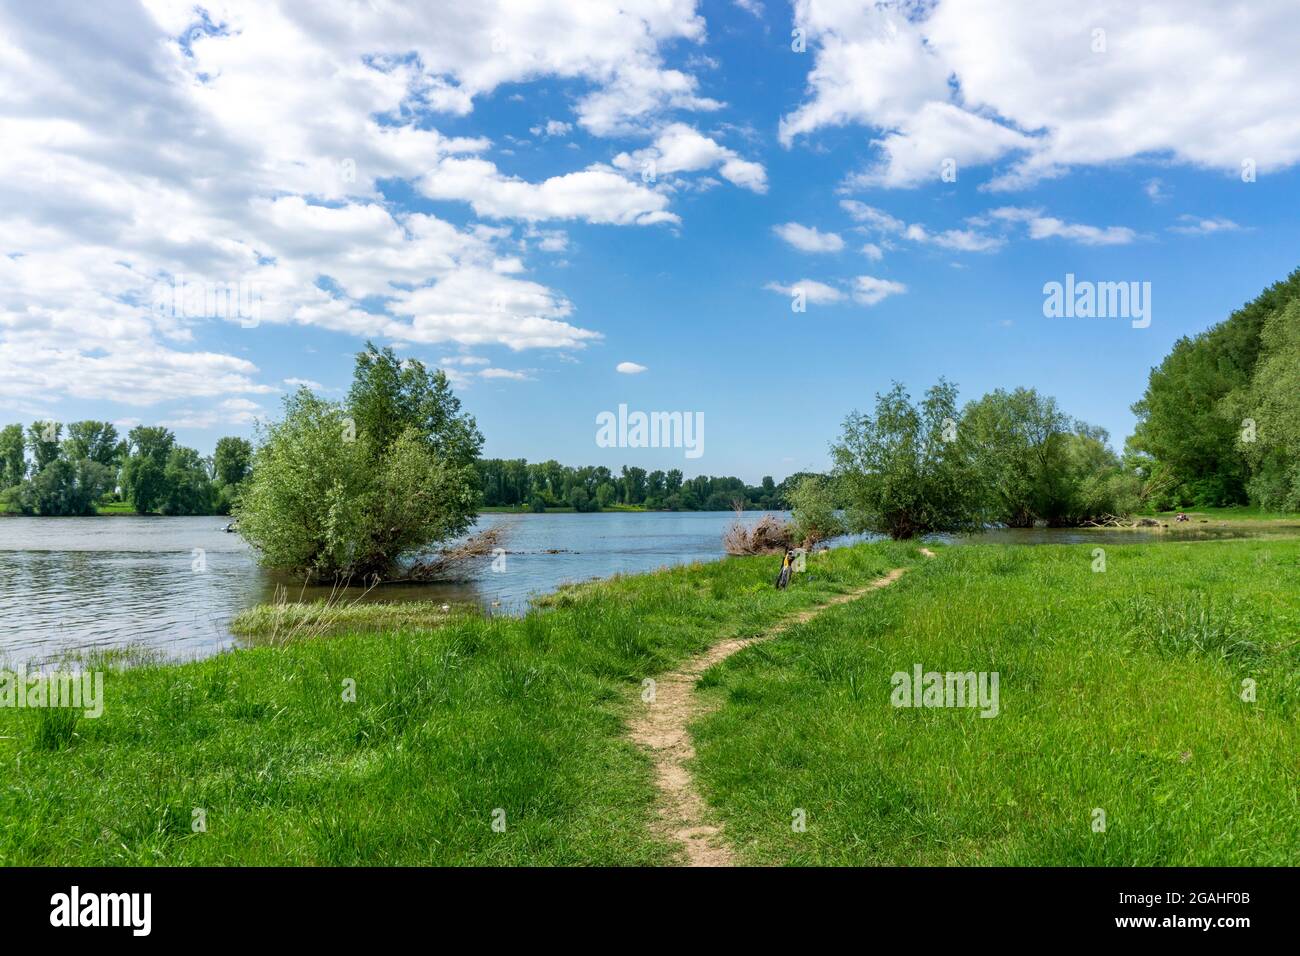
44 471
507 482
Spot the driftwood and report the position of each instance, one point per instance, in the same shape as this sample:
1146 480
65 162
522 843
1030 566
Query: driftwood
475 546
1120 521
769 535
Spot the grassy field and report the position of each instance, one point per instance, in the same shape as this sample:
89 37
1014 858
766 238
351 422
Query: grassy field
450 724
1120 691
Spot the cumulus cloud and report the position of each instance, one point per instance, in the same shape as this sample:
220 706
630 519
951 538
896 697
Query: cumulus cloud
868 290
304 383
808 238
596 194
1046 87
267 138
629 368
680 149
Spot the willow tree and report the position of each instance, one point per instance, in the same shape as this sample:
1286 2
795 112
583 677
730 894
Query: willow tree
355 489
906 469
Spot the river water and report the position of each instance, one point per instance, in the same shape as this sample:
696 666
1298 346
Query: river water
172 584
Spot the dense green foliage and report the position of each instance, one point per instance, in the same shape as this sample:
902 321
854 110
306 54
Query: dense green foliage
232 462
67 476
354 490
815 514
1217 419
1123 691
548 484
1011 458
76 473
906 470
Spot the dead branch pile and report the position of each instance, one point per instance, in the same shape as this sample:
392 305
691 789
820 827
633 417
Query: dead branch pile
1119 521
454 558
769 535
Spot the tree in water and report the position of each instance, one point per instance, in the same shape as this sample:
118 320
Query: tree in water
355 489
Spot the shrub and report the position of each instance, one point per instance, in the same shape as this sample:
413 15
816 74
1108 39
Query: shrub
813 505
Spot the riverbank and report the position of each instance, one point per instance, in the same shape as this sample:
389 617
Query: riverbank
448 726
504 741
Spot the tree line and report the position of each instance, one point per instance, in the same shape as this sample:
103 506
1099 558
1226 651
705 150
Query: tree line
1012 458
514 482
45 471
1219 423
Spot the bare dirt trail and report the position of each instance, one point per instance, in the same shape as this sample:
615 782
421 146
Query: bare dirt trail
660 726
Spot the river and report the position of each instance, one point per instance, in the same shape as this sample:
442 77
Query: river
172 584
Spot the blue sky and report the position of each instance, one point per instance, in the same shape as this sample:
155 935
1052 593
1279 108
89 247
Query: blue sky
385 176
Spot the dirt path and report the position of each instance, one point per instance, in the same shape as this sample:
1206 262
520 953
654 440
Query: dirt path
661 727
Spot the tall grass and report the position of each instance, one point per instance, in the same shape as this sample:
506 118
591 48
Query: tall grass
1121 692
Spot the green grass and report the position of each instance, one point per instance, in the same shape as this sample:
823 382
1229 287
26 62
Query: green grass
1119 690
449 725
274 623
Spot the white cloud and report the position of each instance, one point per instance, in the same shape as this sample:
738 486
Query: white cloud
1049 227
813 291
878 221
268 138
551 128
680 149
1195 226
596 194
809 238
1022 82
503 373
304 383
629 368
868 290
232 411
872 251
